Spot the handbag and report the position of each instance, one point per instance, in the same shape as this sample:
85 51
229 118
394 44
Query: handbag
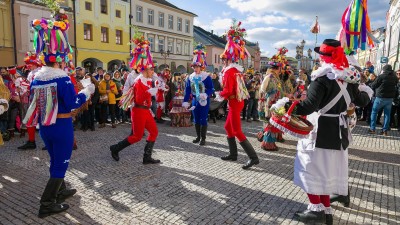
104 98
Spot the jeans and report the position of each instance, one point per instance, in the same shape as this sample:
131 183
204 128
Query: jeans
252 104
379 103
244 110
104 116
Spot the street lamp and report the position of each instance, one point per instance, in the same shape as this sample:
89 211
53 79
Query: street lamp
164 55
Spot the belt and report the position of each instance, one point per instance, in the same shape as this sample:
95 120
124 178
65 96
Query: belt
232 97
141 107
64 115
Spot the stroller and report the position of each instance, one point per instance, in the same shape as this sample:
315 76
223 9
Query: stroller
217 109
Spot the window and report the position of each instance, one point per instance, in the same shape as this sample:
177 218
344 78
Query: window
161 44
171 46
104 34
219 60
179 27
151 40
186 48
87 31
215 58
139 14
178 47
161 19
187 26
118 37
118 13
170 22
103 6
150 18
88 6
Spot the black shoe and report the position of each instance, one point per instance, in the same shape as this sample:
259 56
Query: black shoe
148 150
329 219
161 120
384 133
344 199
28 145
115 149
248 120
44 148
248 148
92 128
197 127
309 216
232 150
64 193
48 204
203 133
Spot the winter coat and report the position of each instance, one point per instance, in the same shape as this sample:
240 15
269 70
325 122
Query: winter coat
113 91
385 84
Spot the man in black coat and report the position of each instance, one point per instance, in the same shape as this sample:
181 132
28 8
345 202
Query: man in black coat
385 91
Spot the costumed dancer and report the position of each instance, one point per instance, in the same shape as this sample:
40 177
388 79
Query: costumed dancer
4 98
139 98
52 98
32 63
199 85
234 90
321 164
270 91
160 96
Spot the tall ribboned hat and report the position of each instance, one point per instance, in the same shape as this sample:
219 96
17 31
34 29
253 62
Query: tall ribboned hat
235 46
141 54
332 52
199 56
51 38
279 59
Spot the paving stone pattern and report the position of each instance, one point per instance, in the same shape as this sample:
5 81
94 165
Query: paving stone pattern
192 185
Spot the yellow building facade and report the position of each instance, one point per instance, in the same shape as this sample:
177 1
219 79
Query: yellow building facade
102 33
6 34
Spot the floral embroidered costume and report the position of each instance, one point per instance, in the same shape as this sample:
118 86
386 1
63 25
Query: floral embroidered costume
199 86
138 97
234 90
52 97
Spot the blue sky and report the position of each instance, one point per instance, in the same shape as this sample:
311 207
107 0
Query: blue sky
277 23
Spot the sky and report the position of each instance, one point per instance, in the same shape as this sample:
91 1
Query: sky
278 23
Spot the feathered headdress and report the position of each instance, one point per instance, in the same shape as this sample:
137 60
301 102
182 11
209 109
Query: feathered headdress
279 60
356 28
32 59
51 39
141 54
235 46
199 56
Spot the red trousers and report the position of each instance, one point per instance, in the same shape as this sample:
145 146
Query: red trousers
233 124
317 199
31 133
142 119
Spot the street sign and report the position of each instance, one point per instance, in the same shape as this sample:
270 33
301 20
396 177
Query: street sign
384 60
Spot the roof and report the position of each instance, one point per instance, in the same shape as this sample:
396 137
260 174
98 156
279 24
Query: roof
166 3
207 38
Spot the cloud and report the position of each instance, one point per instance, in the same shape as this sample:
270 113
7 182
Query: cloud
272 34
226 14
267 19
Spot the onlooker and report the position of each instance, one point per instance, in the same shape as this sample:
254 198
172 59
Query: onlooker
117 80
108 90
100 73
385 91
251 88
396 105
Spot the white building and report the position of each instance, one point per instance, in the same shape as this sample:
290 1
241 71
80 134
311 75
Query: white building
168 28
393 34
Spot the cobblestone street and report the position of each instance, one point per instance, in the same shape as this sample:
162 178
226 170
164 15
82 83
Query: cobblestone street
193 185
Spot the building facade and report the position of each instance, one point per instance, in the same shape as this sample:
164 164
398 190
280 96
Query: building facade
6 34
214 44
393 34
169 30
102 33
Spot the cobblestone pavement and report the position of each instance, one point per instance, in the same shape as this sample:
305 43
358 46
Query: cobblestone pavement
192 185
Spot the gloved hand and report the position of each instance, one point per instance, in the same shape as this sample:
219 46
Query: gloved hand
280 103
186 105
2 109
218 97
203 96
366 89
88 90
91 88
153 91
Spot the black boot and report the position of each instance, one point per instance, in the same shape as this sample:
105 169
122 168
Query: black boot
248 148
148 149
329 219
197 140
28 145
232 150
344 199
115 149
203 132
48 205
309 216
64 193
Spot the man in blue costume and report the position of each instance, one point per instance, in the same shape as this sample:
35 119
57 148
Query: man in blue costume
200 87
51 101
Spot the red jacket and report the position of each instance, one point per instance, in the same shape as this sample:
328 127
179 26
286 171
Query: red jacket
229 83
142 96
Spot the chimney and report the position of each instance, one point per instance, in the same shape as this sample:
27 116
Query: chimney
212 31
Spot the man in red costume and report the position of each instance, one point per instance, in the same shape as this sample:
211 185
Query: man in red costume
160 96
141 115
234 90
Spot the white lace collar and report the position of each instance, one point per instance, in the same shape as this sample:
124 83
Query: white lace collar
349 75
234 65
202 74
49 73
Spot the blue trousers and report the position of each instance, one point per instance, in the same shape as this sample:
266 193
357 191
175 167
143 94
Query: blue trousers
379 103
200 113
59 140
